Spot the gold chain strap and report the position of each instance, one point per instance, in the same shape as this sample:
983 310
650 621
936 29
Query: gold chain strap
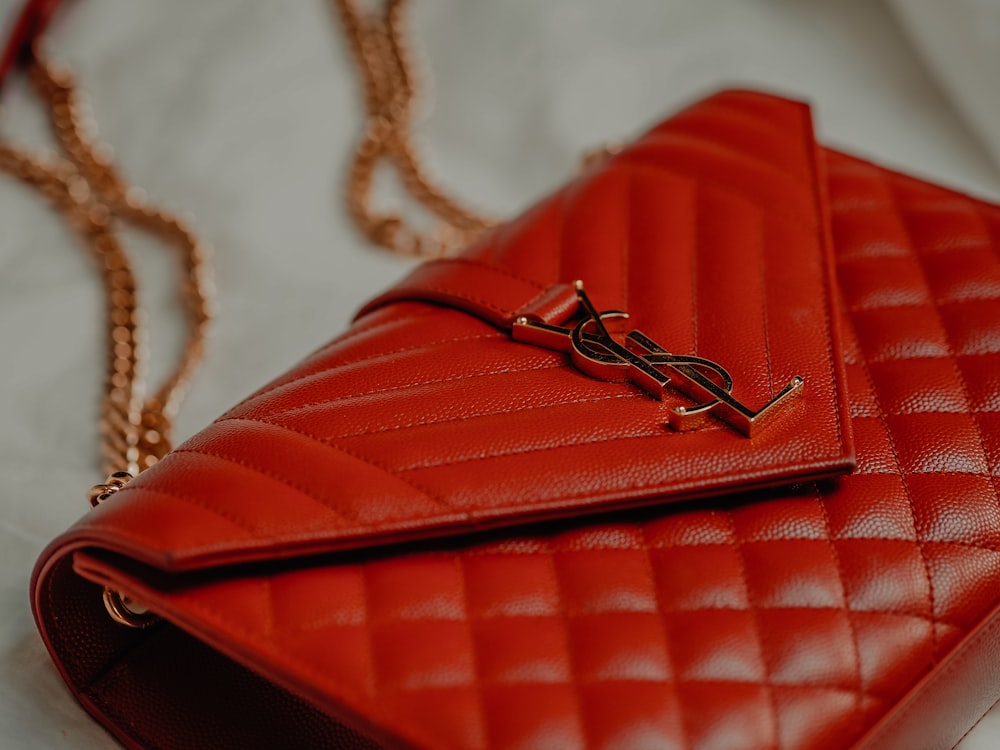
383 61
91 195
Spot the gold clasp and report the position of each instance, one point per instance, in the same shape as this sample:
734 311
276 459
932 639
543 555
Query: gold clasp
640 360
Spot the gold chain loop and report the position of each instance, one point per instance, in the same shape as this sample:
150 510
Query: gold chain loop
92 196
383 61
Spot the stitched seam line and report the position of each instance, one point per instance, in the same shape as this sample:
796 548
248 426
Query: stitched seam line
855 650
358 330
696 236
491 334
457 293
934 302
189 500
913 518
258 469
969 652
483 415
286 659
318 624
960 376
365 360
822 237
658 434
434 498
669 137
503 371
751 610
563 615
866 373
346 337
484 722
627 250
662 611
374 681
750 198
762 235
497 269
978 722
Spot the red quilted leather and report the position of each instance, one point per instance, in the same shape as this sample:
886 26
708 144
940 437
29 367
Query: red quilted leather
819 615
413 424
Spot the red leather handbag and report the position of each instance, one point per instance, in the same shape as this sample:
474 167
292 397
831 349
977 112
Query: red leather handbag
762 511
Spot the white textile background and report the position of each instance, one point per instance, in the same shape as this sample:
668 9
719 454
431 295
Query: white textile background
244 113
959 40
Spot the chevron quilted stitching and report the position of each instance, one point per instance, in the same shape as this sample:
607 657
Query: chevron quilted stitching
696 214
673 170
318 370
790 618
590 440
329 504
662 153
548 362
455 357
300 488
453 419
359 333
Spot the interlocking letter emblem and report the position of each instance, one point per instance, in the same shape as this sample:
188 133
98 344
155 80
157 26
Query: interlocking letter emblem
645 363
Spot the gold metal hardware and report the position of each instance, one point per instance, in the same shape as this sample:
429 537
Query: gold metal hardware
640 360
101 492
382 54
126 611
121 608
87 189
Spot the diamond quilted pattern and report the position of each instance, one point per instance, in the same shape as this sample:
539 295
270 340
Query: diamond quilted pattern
692 611
788 618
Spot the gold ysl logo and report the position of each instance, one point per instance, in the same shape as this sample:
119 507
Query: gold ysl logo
645 363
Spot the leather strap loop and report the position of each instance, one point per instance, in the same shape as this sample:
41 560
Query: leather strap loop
493 294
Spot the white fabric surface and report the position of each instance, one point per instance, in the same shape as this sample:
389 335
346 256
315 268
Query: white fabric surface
960 42
245 112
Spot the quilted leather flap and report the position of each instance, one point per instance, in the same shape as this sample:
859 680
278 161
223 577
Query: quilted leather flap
433 415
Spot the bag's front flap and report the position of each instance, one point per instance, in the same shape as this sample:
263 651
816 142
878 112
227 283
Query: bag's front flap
484 391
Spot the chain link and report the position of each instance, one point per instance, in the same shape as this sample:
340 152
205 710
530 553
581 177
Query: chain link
377 46
93 197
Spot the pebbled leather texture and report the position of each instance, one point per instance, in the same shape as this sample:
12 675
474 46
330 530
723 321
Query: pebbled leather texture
426 420
813 615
